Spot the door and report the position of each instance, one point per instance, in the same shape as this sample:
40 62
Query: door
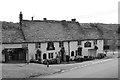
80 51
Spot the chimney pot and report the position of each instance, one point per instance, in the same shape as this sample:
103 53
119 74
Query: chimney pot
73 20
32 18
44 19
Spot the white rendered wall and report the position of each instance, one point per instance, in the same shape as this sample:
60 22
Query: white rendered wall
1 56
11 46
44 49
85 49
66 48
73 47
31 50
100 44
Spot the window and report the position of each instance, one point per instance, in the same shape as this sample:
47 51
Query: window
105 42
50 55
119 30
87 44
95 42
72 53
44 56
38 54
60 44
106 47
50 46
118 47
38 45
80 51
79 42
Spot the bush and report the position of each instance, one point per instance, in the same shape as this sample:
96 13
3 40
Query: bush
33 61
78 58
52 61
101 55
45 61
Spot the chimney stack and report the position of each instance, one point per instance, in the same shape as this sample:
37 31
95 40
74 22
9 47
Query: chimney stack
32 18
44 19
20 18
74 20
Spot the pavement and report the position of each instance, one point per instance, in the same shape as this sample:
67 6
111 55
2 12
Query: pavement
39 70
25 70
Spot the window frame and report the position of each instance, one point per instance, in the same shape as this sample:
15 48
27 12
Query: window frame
95 42
50 55
87 44
45 55
72 53
38 45
79 42
50 46
61 44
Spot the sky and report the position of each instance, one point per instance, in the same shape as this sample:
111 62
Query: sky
85 11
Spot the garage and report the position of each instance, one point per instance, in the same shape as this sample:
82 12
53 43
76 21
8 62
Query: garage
12 55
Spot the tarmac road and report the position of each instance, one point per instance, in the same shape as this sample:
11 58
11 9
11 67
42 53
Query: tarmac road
107 69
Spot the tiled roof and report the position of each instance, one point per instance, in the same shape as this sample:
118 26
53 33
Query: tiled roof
85 25
50 30
91 33
109 30
11 34
36 31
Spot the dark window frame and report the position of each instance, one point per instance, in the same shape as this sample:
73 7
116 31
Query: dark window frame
106 47
61 44
87 44
50 46
50 55
44 56
95 42
79 42
38 45
72 53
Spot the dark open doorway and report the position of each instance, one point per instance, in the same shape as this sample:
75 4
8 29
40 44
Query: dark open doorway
15 55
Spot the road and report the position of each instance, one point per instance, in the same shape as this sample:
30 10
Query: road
107 69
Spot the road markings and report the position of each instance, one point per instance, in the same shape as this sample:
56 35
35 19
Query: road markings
87 65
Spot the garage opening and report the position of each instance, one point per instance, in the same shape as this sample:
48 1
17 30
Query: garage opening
14 55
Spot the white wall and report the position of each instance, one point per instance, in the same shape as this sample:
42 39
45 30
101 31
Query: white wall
73 47
66 48
43 49
11 46
85 49
100 44
1 56
31 50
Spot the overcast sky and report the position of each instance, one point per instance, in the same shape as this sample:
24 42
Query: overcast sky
85 11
